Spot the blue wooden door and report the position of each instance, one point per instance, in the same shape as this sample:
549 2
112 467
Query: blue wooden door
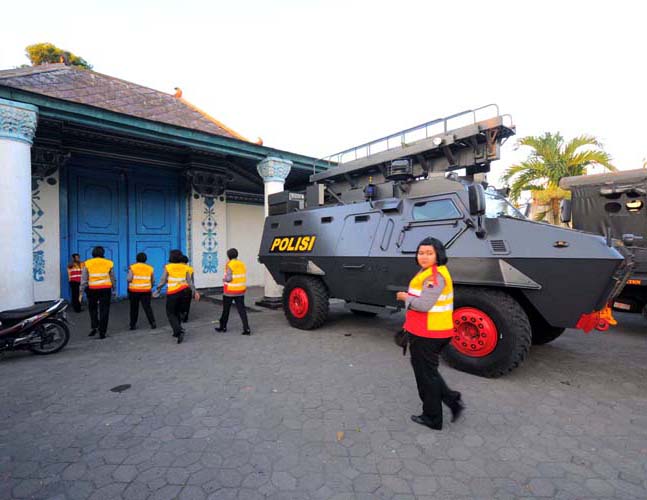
126 214
153 218
97 216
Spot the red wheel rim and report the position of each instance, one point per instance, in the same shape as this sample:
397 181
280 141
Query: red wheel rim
475 334
603 325
298 303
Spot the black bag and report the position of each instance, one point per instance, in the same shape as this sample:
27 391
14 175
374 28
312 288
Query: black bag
402 338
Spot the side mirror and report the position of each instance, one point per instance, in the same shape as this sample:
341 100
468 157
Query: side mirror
565 210
476 195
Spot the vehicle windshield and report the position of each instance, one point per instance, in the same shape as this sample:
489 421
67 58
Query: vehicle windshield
497 206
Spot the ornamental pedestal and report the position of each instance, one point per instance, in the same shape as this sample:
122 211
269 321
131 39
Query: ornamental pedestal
274 171
17 128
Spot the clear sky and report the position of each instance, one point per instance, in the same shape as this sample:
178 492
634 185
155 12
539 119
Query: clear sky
315 77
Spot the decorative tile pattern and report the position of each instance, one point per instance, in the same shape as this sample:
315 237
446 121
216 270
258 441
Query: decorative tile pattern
209 243
37 233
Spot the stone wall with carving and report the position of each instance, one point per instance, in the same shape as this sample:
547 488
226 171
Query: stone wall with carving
46 238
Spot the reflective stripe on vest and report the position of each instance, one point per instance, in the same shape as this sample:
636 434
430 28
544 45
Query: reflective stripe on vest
74 273
176 281
238 283
142 278
438 321
99 273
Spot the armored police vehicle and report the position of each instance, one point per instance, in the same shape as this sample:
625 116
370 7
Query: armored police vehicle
614 205
354 234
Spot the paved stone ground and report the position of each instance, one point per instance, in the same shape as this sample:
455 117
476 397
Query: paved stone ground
287 414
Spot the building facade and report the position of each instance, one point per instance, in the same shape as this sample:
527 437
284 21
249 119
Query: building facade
88 160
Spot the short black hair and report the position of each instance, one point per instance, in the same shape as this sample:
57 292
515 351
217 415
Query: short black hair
175 257
441 254
98 252
232 253
75 255
141 257
185 259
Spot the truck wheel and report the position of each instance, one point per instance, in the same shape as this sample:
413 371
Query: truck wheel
305 302
492 333
542 332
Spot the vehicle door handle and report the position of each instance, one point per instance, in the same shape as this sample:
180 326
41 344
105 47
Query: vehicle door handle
353 266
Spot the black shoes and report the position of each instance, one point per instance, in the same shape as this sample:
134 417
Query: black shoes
153 326
133 327
221 328
423 420
92 333
457 409
246 332
180 337
102 335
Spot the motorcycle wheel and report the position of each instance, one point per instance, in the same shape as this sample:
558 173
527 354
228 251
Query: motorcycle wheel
54 334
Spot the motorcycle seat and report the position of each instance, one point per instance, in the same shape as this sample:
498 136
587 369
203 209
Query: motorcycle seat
24 313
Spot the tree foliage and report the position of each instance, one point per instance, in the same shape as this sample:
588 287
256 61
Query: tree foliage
47 53
551 159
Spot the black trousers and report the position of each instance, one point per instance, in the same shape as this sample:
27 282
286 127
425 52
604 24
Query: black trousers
74 290
186 307
432 389
135 299
99 302
175 309
239 300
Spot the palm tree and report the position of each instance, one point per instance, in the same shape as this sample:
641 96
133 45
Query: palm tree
550 160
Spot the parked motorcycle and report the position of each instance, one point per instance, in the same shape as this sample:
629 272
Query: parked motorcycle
41 328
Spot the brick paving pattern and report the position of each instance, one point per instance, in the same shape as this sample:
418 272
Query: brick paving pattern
287 414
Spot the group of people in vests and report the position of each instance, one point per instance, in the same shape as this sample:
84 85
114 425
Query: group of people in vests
95 277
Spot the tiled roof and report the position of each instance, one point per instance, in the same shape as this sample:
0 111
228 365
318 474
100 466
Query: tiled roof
102 91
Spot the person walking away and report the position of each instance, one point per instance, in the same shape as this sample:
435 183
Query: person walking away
176 276
98 282
429 308
187 304
74 272
141 279
234 287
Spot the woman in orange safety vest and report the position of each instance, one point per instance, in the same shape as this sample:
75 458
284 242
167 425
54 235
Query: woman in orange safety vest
177 276
429 308
234 287
141 279
74 271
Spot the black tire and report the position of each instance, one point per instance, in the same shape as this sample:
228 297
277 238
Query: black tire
512 325
56 335
543 334
542 331
317 306
366 314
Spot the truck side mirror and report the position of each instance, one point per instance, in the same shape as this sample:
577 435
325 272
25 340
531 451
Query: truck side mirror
476 195
565 210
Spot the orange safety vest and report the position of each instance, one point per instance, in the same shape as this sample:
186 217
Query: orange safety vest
142 278
238 283
74 272
437 323
176 281
99 273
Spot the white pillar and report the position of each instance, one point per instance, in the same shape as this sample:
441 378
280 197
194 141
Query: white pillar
274 171
17 128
